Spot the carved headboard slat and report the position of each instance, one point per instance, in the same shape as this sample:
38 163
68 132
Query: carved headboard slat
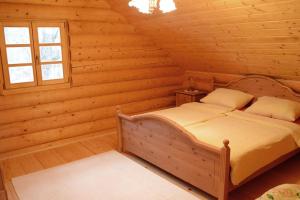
263 86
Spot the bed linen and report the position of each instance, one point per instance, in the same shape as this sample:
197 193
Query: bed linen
191 113
282 192
255 141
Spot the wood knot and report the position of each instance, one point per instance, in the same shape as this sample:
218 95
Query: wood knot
118 109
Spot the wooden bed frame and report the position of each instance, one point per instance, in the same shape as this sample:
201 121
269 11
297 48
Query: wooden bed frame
3 195
175 150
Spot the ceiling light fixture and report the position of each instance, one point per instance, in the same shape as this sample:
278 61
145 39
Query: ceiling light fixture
151 6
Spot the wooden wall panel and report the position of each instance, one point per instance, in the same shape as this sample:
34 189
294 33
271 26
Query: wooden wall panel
112 64
222 79
72 3
227 36
36 11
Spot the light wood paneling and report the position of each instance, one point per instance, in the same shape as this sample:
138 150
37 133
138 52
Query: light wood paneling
222 79
227 36
73 3
37 11
112 64
40 112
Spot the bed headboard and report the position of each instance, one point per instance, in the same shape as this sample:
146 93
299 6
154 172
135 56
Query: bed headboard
263 86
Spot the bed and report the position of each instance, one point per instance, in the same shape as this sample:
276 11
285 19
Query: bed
209 164
190 113
2 189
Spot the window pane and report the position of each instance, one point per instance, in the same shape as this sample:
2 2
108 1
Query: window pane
21 74
50 53
49 34
18 55
16 35
52 72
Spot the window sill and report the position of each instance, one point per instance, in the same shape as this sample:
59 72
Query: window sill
6 92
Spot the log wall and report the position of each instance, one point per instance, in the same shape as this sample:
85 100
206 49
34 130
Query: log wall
111 64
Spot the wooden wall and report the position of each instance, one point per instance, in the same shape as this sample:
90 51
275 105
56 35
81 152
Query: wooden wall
228 36
111 64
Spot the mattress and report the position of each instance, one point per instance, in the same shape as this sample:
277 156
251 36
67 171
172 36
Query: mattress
191 113
255 141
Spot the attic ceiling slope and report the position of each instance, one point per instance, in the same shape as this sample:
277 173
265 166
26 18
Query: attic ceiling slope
227 36
73 3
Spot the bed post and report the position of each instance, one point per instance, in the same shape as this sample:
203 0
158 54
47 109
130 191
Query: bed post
119 129
225 171
3 194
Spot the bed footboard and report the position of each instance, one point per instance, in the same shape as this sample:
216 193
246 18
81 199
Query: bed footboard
173 149
3 195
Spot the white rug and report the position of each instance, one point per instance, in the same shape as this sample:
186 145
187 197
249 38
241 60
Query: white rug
108 176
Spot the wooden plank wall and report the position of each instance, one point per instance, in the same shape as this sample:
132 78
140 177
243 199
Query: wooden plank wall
111 64
222 79
228 36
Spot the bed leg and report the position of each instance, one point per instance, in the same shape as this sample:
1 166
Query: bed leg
119 130
225 170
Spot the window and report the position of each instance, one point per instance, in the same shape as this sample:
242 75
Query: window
34 54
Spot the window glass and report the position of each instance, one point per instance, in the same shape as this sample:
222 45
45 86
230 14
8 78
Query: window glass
18 55
50 53
16 35
21 74
52 71
49 35
35 53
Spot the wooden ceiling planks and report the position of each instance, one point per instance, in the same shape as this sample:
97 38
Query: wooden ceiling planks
227 36
70 3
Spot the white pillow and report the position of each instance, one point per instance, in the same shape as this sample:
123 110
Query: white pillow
227 97
276 108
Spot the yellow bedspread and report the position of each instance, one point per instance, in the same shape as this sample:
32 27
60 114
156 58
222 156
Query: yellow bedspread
255 141
191 113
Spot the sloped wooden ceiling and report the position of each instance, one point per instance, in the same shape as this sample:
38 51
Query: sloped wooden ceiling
227 36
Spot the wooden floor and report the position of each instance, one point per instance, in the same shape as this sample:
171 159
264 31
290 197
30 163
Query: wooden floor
287 172
52 157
